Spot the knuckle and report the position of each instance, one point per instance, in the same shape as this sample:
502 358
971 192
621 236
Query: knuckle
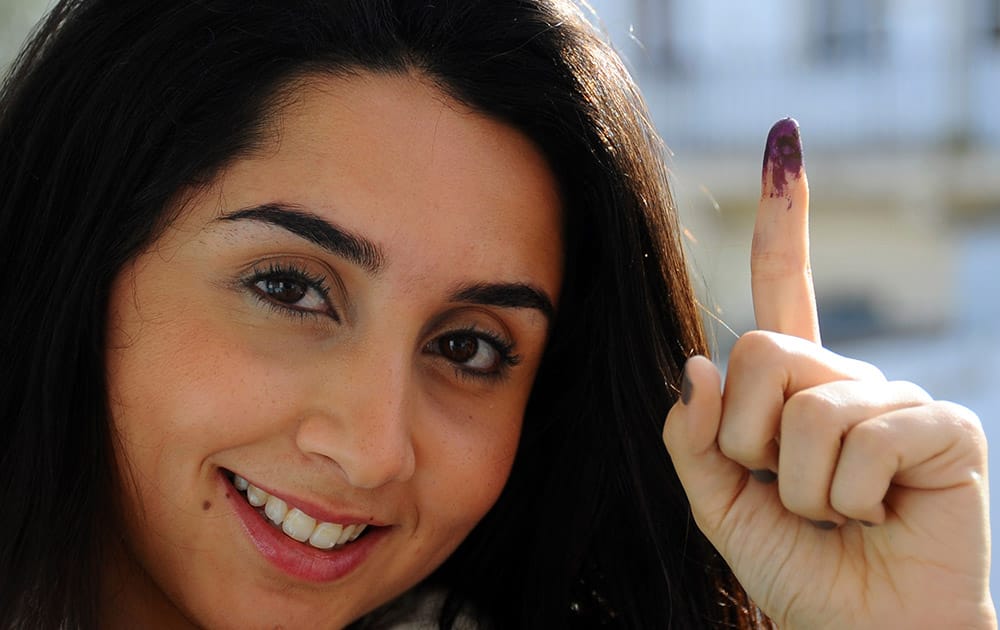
738 447
870 439
798 499
850 504
964 422
768 262
807 411
748 445
864 371
959 415
911 391
752 348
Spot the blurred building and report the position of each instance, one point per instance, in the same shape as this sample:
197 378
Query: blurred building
899 103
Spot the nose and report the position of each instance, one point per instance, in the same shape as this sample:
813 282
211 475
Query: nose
363 426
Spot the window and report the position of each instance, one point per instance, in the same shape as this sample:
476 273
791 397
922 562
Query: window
653 29
991 14
849 30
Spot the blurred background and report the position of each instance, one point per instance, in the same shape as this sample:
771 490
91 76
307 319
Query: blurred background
899 105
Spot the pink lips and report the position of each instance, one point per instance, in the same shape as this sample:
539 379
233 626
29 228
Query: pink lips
296 559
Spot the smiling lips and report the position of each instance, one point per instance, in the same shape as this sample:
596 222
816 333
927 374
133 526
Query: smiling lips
295 523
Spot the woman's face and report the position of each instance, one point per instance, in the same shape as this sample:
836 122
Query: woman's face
351 322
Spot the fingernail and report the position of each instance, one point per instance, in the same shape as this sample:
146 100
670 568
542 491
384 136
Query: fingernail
825 524
782 158
764 475
687 388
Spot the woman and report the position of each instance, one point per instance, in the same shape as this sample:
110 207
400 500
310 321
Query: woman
357 312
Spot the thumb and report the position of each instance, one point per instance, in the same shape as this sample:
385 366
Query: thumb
711 480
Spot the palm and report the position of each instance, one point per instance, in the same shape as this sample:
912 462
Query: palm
902 570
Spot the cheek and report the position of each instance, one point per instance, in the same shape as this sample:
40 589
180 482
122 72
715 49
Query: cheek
476 440
171 379
468 467
182 389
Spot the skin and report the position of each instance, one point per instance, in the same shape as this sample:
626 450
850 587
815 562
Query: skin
868 506
367 415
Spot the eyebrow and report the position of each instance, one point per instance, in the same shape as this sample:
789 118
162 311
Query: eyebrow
507 295
370 257
314 229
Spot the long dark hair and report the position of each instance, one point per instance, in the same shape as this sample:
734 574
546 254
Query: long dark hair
114 108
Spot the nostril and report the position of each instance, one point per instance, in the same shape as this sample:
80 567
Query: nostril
370 449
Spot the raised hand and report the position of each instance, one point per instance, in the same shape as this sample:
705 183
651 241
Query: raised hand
840 500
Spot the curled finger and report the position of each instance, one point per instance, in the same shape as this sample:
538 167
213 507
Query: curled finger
935 446
814 424
766 369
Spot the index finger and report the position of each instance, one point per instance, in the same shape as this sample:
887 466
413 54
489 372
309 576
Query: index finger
784 300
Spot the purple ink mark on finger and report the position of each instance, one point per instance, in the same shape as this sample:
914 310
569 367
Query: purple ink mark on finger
782 155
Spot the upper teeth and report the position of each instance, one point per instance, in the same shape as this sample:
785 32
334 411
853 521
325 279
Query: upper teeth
297 523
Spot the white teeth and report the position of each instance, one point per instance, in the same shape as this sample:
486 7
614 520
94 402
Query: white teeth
256 497
296 523
357 532
346 534
275 509
326 535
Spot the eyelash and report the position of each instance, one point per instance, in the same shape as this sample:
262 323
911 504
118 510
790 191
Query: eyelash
287 271
294 273
507 359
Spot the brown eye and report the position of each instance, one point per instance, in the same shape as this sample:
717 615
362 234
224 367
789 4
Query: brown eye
473 352
286 290
292 290
478 354
460 348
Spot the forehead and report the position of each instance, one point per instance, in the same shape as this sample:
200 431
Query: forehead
394 158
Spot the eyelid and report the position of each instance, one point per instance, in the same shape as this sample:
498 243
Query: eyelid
468 318
327 282
501 343
504 343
